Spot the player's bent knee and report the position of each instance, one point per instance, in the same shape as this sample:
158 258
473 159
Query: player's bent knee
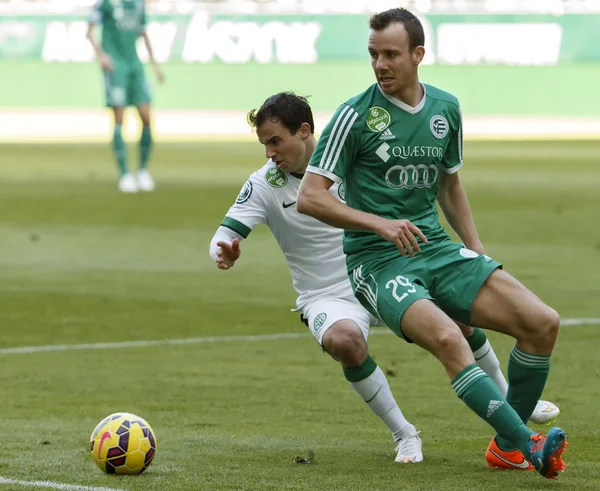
449 340
550 320
541 329
451 348
345 343
445 341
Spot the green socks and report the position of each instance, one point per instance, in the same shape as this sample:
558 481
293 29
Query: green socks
362 371
484 398
119 149
477 339
527 375
145 147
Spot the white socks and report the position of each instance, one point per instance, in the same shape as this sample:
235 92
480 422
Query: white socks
376 392
488 362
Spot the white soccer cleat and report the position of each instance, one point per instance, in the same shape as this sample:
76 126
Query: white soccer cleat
544 413
410 449
145 181
128 184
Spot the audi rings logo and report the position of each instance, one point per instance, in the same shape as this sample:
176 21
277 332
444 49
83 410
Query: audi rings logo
411 176
439 126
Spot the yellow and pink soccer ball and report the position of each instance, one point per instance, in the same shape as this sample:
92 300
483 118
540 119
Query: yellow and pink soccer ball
123 443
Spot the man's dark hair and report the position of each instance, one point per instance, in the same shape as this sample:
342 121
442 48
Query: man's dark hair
381 20
291 109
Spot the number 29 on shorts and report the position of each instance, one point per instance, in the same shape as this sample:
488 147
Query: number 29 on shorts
396 283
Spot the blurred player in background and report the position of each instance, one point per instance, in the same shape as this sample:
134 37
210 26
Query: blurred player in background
285 126
123 22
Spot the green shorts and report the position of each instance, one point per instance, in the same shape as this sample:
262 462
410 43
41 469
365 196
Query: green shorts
445 272
126 86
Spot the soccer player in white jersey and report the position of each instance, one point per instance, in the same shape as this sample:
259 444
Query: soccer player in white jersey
397 147
314 253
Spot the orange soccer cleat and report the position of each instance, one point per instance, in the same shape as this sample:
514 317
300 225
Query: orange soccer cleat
502 459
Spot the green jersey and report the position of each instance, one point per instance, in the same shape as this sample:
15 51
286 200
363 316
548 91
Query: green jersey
390 156
123 21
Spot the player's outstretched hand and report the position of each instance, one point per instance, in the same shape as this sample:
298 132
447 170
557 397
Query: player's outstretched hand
402 233
106 62
228 254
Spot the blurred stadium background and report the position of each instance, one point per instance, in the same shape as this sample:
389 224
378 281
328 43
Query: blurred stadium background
514 64
110 302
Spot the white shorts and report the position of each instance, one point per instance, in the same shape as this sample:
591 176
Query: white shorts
323 312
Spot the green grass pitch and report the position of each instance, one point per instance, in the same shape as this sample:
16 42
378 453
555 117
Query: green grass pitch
80 263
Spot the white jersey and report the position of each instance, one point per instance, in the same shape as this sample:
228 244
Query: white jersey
312 249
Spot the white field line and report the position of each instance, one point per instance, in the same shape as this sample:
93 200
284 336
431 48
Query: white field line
54 485
66 124
578 322
381 331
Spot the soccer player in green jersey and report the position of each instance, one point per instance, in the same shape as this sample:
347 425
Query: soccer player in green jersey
123 22
398 147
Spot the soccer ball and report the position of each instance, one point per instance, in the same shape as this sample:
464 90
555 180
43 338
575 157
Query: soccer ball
123 443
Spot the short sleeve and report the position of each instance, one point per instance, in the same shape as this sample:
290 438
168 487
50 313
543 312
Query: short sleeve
250 207
98 11
338 145
453 157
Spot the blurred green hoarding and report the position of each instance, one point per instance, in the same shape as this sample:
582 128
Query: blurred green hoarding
524 40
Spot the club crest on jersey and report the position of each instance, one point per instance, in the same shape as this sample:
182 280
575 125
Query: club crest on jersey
245 193
342 191
378 119
319 321
276 178
439 126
